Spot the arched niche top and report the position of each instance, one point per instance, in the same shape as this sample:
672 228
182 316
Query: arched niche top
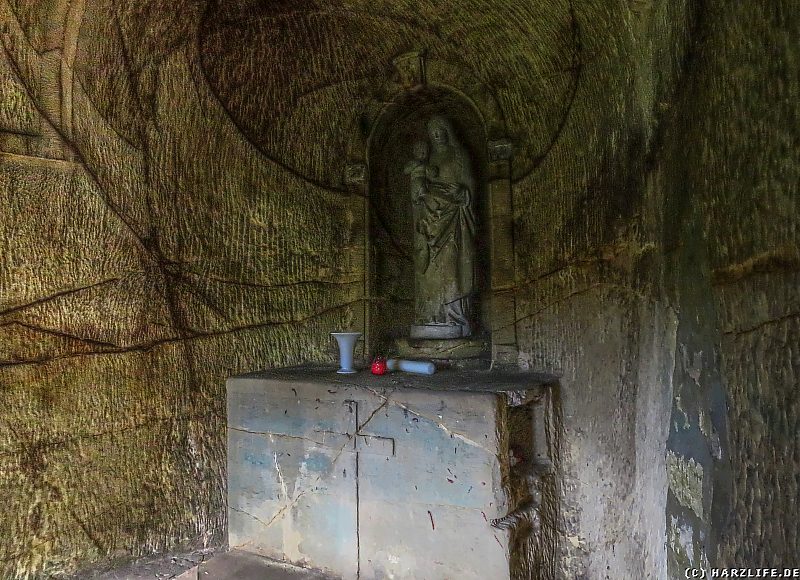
414 72
424 102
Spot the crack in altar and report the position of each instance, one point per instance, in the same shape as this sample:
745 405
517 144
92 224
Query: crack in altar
282 435
455 434
293 502
255 517
282 481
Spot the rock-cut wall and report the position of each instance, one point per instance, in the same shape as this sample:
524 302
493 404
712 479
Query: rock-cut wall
148 250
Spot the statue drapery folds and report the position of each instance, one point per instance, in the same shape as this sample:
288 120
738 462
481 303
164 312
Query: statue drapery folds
442 188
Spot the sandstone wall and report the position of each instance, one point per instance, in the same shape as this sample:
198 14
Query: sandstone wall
748 171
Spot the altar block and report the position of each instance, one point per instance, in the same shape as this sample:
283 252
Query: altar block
366 477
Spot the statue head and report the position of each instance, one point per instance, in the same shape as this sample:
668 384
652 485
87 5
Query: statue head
421 150
439 131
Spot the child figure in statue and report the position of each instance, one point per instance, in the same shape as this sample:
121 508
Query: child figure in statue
442 189
420 171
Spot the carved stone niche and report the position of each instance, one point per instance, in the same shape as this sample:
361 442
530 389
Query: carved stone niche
394 262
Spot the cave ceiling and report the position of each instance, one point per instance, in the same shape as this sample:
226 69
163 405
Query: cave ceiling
298 78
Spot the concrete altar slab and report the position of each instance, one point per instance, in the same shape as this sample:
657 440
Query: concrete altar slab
204 565
240 565
373 477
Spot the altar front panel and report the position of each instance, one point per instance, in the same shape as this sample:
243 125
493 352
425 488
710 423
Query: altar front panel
292 478
369 478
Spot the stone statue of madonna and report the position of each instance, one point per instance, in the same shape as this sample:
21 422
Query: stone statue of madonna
442 188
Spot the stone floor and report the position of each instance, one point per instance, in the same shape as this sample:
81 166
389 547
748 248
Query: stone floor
204 565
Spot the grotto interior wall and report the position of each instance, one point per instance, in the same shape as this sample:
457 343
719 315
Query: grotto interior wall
734 259
729 254
173 211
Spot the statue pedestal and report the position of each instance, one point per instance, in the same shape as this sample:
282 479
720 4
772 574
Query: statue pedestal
364 476
438 331
472 353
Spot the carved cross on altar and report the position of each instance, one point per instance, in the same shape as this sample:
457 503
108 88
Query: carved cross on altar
361 442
